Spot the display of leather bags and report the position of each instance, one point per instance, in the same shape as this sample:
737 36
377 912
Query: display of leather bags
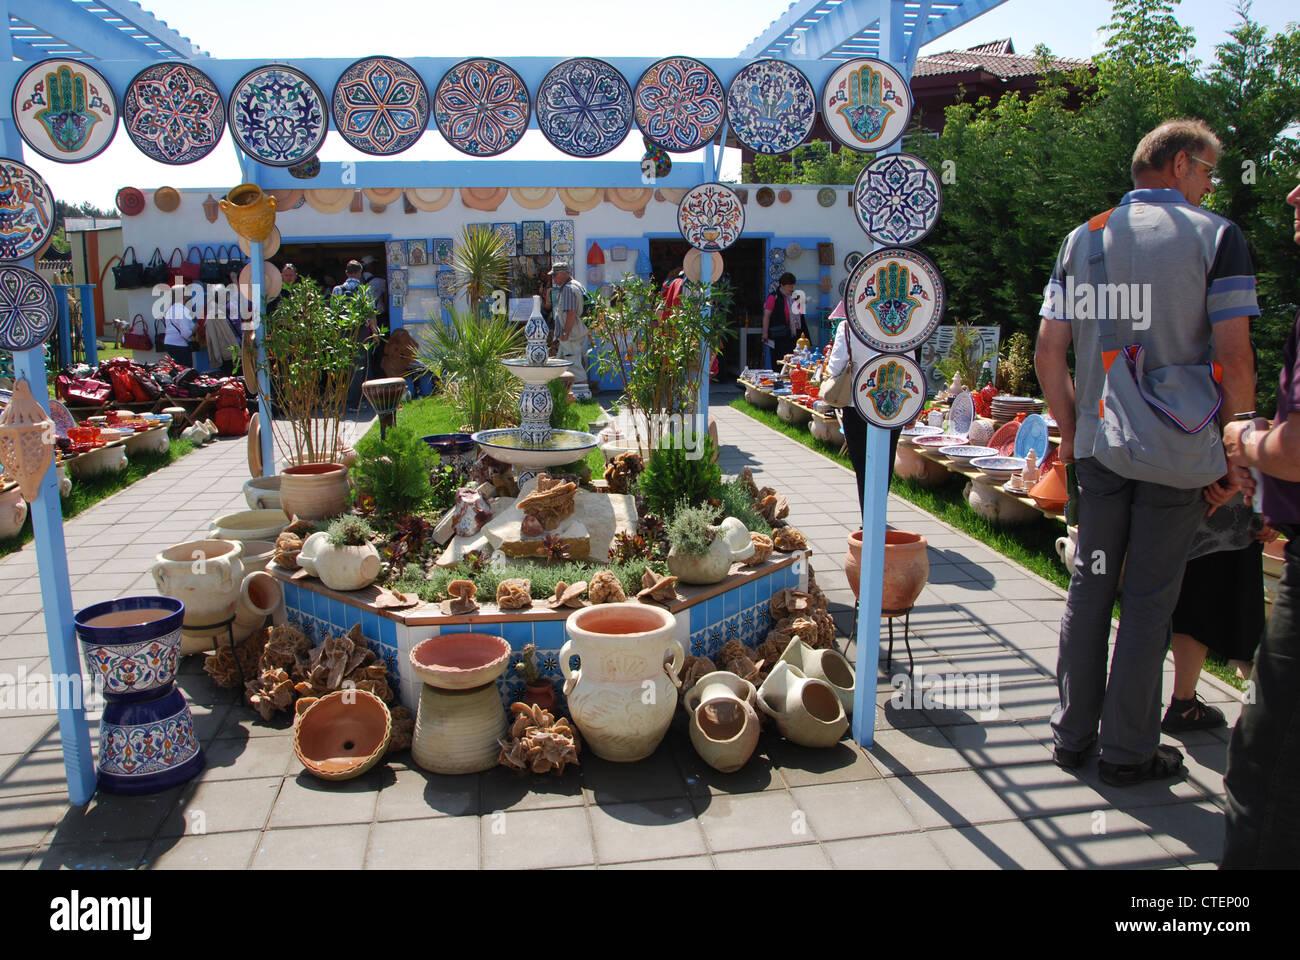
156 270
129 274
189 268
211 266
85 390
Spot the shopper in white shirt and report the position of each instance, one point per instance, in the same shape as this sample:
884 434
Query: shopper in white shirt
180 328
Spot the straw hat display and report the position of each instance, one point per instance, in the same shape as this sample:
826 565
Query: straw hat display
691 264
631 199
130 201
482 198
272 280
166 199
578 199
269 246
532 198
329 200
430 199
381 197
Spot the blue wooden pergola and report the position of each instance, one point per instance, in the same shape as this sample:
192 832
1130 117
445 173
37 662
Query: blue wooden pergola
121 38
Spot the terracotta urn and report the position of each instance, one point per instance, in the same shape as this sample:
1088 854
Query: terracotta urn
341 735
541 694
460 717
624 696
907 567
205 575
702 568
13 512
724 720
314 491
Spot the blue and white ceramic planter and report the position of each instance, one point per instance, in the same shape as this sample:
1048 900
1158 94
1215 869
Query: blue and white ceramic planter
147 746
134 662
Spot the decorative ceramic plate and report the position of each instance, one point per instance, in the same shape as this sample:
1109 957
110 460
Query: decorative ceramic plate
584 107
826 196
130 201
26 211
895 299
938 441
852 260
711 217
1032 435
771 106
766 196
381 106
63 419
27 309
962 414
889 391
65 110
680 104
777 257
278 116
866 104
897 200
305 170
966 452
482 107
173 113
999 468
921 431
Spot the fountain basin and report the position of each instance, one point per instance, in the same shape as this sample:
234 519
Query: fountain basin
508 446
540 373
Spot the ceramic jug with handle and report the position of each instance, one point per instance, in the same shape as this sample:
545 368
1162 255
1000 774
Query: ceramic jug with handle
724 720
806 711
828 665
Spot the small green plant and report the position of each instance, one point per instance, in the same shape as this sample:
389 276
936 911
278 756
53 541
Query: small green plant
691 529
394 471
466 354
443 484
736 503
564 416
526 665
350 531
672 475
1016 369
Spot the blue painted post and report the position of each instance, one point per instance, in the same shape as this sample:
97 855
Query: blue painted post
267 436
65 324
88 335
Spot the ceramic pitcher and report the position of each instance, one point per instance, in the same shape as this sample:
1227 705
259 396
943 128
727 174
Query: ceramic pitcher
624 695
828 665
806 711
724 720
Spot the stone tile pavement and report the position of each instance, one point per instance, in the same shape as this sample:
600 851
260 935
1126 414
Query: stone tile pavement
941 788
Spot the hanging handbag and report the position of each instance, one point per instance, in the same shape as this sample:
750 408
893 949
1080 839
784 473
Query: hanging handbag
138 339
210 266
156 271
189 268
128 275
159 337
837 391
1153 422
234 261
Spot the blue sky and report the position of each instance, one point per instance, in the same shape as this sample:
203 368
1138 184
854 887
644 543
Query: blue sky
257 29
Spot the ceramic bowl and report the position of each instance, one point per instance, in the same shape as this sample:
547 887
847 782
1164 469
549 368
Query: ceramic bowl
460 661
131 645
966 454
922 431
256 554
999 468
343 734
938 441
250 525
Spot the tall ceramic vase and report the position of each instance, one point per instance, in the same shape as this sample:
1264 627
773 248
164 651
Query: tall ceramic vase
146 735
625 693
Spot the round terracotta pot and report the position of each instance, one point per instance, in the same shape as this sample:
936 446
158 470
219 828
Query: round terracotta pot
343 734
907 567
541 694
314 491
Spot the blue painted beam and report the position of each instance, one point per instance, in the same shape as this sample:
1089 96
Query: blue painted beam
484 173
841 25
781 29
958 17
65 324
141 18
88 335
914 48
80 28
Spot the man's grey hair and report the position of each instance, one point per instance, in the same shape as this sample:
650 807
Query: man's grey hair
1159 147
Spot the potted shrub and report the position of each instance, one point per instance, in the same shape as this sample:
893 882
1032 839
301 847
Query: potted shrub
395 471
342 557
698 551
537 689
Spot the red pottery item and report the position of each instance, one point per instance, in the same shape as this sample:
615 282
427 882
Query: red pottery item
342 735
907 567
1051 492
541 694
460 661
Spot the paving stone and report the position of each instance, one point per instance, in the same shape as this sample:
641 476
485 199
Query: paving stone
654 778
802 766
116 855
442 843
994 846
223 806
1027 635
949 799
1044 611
536 839
996 744
908 851
808 856
626 831
1044 789
506 790
1111 839
25 821
38 773
915 750
213 851
750 821
313 848
304 800
679 863
865 808
1190 831
411 793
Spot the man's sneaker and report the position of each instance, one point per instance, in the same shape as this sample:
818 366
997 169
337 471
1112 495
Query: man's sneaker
1165 763
1193 714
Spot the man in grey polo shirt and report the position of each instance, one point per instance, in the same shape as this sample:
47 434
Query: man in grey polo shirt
566 314
1188 293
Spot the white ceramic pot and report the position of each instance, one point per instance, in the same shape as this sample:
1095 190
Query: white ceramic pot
985 499
205 575
263 493
103 460
806 711
724 720
150 441
911 465
827 431
737 535
344 568
13 512
1067 546
256 554
828 665
792 413
623 697
456 731
260 596
249 525
703 568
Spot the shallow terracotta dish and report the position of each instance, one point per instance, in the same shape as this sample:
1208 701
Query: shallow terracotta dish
460 661
343 734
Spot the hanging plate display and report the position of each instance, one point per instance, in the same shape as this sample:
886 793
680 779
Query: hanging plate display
851 260
584 107
26 211
278 116
826 196
380 105
173 113
771 106
889 390
305 170
130 202
866 104
897 200
766 196
711 217
894 300
65 110
679 104
27 309
482 107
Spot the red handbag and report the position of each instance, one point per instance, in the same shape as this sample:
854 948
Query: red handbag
138 341
189 268
93 393
231 421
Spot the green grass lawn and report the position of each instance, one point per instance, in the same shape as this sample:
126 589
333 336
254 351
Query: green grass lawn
86 493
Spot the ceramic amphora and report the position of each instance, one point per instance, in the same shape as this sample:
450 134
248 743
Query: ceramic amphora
724 720
828 665
624 695
205 575
339 568
806 711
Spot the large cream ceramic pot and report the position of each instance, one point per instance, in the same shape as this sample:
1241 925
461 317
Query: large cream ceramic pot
205 575
625 693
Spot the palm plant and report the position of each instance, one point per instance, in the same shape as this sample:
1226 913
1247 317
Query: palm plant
466 354
481 264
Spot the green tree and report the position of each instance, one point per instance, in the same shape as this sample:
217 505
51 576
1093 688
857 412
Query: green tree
812 163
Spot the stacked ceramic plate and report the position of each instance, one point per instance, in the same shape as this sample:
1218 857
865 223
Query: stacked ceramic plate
912 434
999 468
937 441
963 453
1007 407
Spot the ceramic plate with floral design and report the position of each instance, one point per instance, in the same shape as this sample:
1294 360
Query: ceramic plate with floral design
482 107
680 104
897 200
278 116
866 104
173 113
584 107
771 106
889 390
711 217
894 300
26 211
380 105
65 110
27 309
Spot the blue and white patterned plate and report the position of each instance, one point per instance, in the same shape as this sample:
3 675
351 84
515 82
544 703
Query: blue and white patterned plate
680 104
27 309
1032 435
968 453
482 107
65 110
866 104
962 414
711 217
999 468
381 106
897 200
26 211
584 107
894 299
278 116
771 106
173 113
